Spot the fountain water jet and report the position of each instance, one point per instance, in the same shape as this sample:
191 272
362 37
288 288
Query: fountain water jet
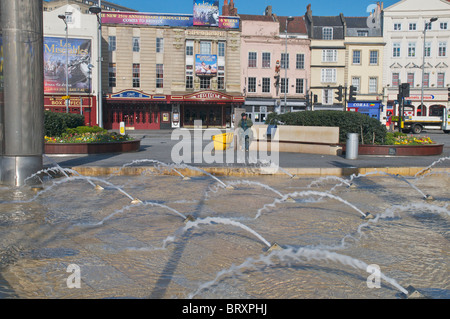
140 203
247 182
153 161
218 220
442 159
205 172
312 193
299 255
120 232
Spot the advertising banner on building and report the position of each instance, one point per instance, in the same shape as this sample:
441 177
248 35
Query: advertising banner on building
206 13
206 64
228 22
150 19
79 58
172 20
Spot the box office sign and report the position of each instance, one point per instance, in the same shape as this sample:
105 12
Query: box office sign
79 58
206 65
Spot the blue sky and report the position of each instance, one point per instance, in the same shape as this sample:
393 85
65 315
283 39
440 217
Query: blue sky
279 7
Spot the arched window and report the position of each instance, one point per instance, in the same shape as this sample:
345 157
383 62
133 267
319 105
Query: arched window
422 110
436 110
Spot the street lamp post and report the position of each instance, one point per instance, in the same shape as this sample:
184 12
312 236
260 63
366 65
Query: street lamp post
286 62
97 11
427 24
64 18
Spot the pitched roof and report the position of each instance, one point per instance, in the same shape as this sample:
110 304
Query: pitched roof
324 21
295 26
252 17
356 22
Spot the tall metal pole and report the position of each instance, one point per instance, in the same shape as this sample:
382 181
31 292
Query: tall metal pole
22 108
286 63
99 69
423 65
67 67
285 69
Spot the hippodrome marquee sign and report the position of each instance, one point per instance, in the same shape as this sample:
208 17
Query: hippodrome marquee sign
202 96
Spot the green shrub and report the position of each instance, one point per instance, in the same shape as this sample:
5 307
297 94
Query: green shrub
55 124
369 129
85 129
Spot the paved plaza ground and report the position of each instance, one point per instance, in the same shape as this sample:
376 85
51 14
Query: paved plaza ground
158 145
150 249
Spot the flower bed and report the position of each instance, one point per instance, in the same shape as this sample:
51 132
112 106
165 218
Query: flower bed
90 143
89 137
400 144
403 139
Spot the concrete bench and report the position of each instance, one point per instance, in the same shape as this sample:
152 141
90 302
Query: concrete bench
298 139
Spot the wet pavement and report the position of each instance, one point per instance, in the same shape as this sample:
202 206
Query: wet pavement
70 240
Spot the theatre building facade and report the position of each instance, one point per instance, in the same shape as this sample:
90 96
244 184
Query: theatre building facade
166 71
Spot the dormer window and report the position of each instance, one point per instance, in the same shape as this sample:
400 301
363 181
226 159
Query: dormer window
362 33
327 33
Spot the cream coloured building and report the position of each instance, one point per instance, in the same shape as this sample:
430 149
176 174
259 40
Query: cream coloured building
328 59
364 65
151 76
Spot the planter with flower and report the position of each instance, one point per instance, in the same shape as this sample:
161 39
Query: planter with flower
401 144
65 136
373 136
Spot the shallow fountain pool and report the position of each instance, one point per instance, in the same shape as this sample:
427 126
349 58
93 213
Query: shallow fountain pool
198 238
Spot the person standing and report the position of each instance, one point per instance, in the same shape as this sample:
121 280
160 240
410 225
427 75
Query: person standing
245 131
389 123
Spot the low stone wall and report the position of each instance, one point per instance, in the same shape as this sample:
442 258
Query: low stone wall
92 148
400 150
298 139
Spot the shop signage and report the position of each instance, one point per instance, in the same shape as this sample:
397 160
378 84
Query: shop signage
131 94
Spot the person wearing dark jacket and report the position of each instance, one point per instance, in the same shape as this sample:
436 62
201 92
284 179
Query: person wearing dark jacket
245 131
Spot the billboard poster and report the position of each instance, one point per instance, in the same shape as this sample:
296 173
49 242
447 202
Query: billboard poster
149 19
206 13
79 58
228 23
206 64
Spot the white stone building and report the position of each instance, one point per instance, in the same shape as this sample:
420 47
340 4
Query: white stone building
82 46
406 50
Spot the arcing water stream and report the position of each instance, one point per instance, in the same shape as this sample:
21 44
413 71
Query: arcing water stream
180 239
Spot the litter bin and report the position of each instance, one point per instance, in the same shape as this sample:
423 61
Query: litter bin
351 150
222 141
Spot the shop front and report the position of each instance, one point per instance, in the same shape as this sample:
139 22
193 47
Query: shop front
141 111
370 108
85 105
137 110
214 109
